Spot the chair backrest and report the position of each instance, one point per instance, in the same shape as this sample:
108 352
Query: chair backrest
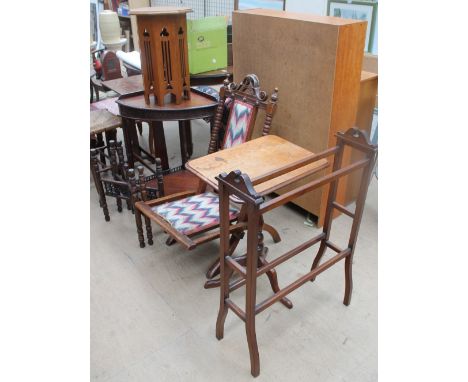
146 187
244 100
110 66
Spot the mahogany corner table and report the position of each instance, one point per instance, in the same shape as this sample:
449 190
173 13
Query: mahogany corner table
132 107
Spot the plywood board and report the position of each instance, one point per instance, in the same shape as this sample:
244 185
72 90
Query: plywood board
315 61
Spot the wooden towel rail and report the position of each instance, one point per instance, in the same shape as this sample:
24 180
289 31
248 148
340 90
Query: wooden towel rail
240 185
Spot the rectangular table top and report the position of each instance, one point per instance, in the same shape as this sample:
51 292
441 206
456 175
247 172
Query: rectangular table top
256 158
125 85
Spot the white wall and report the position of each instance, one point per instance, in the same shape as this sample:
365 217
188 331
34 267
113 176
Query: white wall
319 7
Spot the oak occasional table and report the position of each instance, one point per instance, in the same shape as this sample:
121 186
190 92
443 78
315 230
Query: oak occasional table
258 158
134 85
246 184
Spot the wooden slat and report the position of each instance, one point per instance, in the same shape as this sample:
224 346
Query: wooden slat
236 309
293 252
266 155
169 198
236 284
300 281
343 209
288 196
214 235
147 211
330 245
295 165
234 265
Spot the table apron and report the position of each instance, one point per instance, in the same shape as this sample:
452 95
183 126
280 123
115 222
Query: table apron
145 115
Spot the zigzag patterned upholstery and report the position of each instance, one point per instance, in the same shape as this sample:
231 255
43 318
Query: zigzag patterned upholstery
193 214
238 125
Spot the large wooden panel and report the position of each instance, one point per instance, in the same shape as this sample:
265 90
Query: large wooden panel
315 61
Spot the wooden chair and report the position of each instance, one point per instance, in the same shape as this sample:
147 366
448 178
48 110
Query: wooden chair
192 218
118 181
110 71
103 124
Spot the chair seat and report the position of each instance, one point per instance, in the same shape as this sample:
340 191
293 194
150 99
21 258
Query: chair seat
102 121
175 182
106 104
193 214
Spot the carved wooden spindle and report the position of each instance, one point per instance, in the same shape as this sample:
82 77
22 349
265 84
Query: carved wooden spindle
97 182
270 111
115 169
143 193
142 183
122 163
135 198
113 158
218 118
125 177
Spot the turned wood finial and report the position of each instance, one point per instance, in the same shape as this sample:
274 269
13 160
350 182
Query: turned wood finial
241 182
358 137
142 182
274 96
270 111
159 177
226 81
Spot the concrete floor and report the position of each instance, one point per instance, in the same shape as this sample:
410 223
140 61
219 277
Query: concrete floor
151 319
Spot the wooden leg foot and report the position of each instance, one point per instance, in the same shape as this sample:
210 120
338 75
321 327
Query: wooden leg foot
105 210
119 204
139 226
149 231
253 348
348 280
220 322
170 241
212 284
318 257
213 270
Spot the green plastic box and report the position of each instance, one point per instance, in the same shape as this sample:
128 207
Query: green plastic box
207 44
